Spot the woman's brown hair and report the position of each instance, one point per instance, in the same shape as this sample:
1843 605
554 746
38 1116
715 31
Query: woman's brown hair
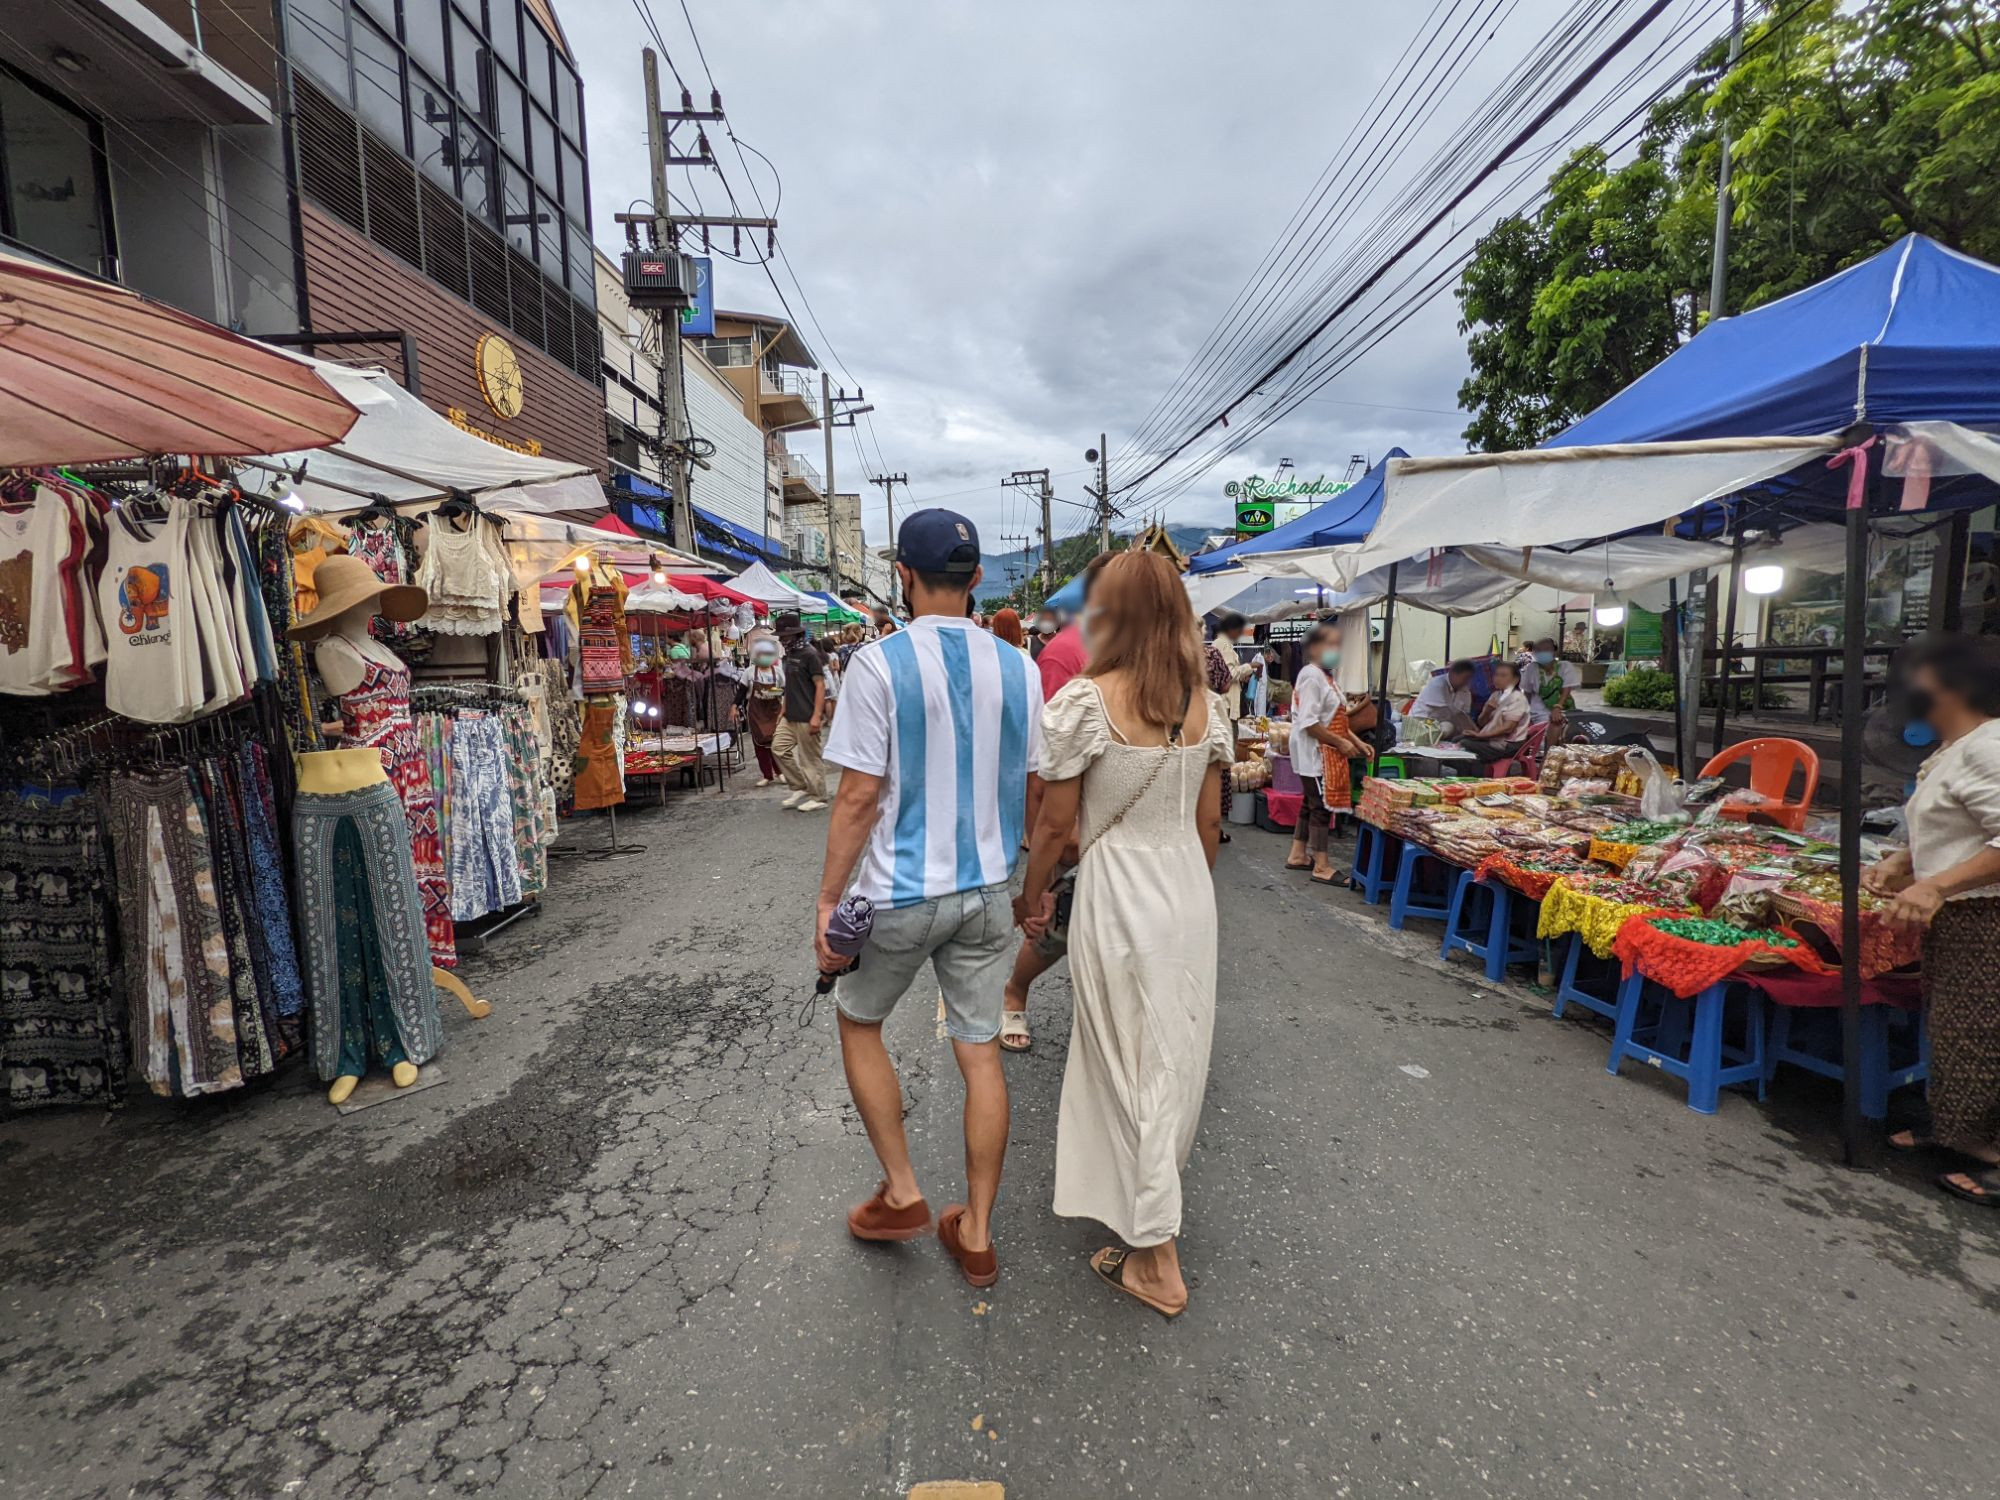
1007 625
1145 628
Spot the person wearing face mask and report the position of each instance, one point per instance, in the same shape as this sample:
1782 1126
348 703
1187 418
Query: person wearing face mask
764 703
1321 747
1551 684
1948 883
1068 652
1045 629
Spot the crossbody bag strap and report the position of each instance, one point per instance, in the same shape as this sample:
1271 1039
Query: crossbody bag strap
1166 753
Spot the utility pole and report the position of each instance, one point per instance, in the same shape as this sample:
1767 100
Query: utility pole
832 519
889 483
1718 275
837 411
1101 456
1022 479
673 408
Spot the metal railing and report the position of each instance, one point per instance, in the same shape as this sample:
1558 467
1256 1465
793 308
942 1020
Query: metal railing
792 466
788 383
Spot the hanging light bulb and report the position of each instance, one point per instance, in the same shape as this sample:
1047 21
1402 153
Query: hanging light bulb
1608 615
1765 578
292 501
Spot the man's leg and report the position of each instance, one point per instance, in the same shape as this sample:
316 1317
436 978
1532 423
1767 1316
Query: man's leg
878 1095
972 968
785 746
812 767
1030 964
986 1121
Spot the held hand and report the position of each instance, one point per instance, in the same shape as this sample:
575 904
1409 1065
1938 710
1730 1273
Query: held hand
829 961
1915 905
1038 924
812 726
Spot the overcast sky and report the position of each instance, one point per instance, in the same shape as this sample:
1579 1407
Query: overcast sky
1016 221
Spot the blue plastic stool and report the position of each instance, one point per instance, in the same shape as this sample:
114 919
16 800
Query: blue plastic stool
1493 938
1570 990
1698 1055
1880 1075
1403 903
1371 853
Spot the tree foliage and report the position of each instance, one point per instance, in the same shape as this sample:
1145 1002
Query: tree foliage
1851 126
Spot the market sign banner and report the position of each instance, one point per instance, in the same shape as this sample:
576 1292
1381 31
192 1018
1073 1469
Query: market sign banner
1256 487
1253 518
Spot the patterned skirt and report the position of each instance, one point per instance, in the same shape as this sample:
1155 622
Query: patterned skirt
410 773
1962 989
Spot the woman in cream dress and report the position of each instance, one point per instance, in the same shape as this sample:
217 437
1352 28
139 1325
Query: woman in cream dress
1136 745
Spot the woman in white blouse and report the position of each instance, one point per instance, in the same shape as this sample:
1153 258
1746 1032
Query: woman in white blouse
1503 722
1949 884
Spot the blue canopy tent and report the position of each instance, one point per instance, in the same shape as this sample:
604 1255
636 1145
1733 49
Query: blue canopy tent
1786 404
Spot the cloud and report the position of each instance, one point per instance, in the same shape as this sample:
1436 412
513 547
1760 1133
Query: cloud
1016 223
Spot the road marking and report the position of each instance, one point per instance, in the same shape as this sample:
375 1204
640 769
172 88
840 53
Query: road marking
958 1489
1414 1070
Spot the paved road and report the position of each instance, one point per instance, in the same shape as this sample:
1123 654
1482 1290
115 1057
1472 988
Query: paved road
1438 1250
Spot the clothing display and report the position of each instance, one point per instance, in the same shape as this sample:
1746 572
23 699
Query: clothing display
464 570
62 1012
373 1000
489 782
51 638
485 859
376 715
603 642
600 777
1142 953
388 545
313 540
211 972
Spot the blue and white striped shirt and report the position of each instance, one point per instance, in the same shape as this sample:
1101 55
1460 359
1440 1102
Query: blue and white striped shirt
950 717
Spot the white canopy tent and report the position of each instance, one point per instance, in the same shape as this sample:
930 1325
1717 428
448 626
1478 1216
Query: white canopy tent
404 452
766 587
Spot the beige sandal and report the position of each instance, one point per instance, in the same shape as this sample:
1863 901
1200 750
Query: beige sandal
1014 1035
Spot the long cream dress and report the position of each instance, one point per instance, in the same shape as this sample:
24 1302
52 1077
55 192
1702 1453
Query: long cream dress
1142 963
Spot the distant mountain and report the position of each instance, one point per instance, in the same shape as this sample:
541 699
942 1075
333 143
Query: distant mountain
1006 569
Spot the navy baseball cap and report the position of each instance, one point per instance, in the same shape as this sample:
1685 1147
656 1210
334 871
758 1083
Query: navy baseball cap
938 541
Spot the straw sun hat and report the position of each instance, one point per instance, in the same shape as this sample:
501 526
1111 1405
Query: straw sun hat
346 583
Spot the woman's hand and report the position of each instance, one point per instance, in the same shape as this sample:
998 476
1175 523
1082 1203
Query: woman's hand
1032 917
1889 875
1915 905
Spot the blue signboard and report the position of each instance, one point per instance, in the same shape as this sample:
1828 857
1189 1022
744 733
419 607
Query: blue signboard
700 319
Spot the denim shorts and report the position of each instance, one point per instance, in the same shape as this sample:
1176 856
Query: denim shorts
968 937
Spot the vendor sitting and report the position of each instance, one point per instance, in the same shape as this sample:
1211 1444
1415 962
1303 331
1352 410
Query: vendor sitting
1447 699
1503 723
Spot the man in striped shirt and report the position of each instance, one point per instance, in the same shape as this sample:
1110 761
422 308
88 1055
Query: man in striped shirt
939 729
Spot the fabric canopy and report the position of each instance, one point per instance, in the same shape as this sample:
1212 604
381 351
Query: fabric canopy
540 545
834 610
404 452
1909 335
92 371
761 584
651 598
1346 518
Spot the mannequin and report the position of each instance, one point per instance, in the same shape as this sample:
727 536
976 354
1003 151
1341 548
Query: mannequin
373 987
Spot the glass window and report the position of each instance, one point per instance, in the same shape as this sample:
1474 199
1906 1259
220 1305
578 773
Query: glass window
510 104
378 84
318 43
50 162
520 198
430 130
549 232
423 34
469 72
547 170
478 171
569 101
536 59
383 11
575 197
582 265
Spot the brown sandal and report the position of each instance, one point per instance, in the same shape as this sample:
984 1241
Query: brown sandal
1109 1264
981 1267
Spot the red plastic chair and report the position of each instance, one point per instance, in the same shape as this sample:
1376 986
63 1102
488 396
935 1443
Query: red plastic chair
1528 759
1771 765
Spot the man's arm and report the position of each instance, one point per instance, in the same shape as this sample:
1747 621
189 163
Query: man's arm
819 703
856 806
